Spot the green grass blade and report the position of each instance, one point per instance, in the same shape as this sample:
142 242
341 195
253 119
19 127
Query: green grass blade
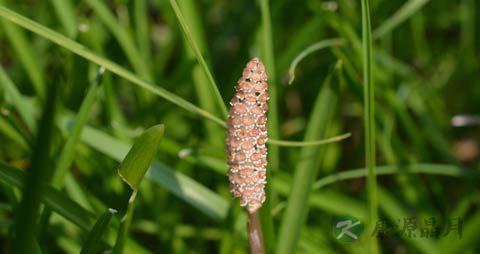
138 159
310 49
369 121
207 99
310 143
433 169
58 202
67 154
17 100
123 36
306 170
406 11
122 235
65 12
36 180
200 58
179 184
52 198
109 65
142 32
9 129
27 56
95 236
272 123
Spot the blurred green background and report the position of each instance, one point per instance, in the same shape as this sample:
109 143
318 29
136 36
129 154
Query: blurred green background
427 119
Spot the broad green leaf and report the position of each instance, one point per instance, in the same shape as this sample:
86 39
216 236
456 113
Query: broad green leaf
179 184
138 159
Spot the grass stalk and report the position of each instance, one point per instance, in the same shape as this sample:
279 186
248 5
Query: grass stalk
35 181
369 118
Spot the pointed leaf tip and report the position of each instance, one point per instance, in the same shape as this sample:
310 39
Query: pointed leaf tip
138 159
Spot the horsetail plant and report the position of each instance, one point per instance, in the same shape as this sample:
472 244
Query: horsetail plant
245 145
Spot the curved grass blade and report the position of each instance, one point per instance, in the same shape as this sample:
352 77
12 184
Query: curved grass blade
310 143
431 169
407 10
199 56
312 48
369 121
109 65
95 236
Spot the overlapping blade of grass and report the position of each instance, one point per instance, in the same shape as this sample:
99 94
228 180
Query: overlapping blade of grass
17 100
120 71
26 55
123 36
192 41
109 65
94 238
11 130
59 203
369 122
307 51
306 170
406 11
36 179
179 184
142 32
65 12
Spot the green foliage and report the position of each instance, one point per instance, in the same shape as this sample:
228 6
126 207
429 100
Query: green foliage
176 62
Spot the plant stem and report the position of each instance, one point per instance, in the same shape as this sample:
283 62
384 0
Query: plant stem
255 236
369 114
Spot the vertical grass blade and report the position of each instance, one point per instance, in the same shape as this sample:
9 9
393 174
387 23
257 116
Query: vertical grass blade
272 123
193 44
306 170
95 236
36 180
66 156
369 119
65 12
